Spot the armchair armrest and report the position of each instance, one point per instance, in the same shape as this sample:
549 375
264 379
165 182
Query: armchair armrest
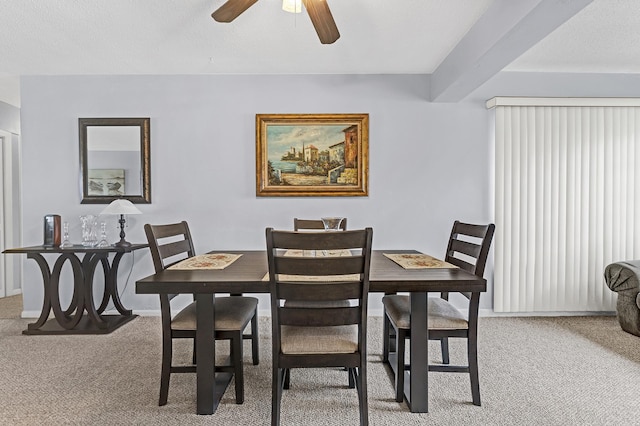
624 277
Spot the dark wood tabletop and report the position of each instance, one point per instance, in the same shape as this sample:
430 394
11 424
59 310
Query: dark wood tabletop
246 274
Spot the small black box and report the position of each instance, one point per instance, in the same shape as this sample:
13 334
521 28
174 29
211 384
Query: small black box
52 232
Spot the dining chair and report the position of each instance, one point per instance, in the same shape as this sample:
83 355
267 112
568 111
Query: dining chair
467 249
312 224
318 336
170 244
316 225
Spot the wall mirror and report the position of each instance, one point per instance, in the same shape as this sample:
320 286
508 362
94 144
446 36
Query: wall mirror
114 160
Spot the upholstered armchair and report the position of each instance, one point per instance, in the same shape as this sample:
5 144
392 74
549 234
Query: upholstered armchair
624 279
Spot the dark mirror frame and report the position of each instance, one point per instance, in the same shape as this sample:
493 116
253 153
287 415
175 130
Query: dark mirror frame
145 167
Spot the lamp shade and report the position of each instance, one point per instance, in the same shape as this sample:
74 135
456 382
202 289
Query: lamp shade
121 206
292 6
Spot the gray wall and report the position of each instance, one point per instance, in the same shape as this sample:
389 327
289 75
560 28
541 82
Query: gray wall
429 163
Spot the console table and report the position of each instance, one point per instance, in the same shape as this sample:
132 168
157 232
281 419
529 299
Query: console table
81 316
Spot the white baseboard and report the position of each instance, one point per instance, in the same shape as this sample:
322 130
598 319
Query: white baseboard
492 313
481 313
143 313
379 313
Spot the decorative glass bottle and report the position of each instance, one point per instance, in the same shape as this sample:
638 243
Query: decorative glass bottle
103 235
332 223
89 232
65 235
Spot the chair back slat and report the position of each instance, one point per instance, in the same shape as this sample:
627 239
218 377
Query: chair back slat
301 224
319 317
472 230
318 291
170 230
325 265
319 240
175 248
466 247
462 264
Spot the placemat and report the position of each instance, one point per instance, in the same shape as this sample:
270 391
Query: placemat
318 253
417 261
207 261
314 278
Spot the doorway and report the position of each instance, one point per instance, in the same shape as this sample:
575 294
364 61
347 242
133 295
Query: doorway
10 234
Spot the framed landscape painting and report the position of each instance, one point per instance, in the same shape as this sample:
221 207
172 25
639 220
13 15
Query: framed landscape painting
312 154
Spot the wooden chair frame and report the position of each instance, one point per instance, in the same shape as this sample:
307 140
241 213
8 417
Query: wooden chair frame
284 287
183 246
476 259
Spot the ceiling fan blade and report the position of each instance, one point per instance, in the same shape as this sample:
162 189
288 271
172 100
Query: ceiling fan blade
322 20
231 10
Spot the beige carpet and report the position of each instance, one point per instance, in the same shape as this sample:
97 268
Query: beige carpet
533 371
11 307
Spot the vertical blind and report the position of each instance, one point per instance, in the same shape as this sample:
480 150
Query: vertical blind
567 182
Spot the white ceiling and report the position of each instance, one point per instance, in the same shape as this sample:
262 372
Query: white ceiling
602 38
73 37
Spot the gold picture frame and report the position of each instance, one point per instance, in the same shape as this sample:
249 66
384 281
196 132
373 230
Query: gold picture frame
312 155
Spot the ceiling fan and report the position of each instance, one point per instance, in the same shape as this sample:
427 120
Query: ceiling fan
318 11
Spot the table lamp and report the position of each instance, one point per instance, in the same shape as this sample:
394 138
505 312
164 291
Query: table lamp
121 207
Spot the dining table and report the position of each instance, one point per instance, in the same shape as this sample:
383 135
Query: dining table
247 275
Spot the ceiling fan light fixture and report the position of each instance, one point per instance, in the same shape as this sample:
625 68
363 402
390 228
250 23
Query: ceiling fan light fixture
318 11
292 6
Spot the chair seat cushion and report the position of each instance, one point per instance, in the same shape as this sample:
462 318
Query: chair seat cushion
442 314
231 313
341 339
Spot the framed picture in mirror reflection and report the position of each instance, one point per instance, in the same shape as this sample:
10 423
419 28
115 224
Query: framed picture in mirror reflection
106 182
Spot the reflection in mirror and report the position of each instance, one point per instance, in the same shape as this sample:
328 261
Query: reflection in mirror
109 147
114 158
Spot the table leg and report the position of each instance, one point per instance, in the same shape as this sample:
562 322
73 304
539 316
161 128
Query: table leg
46 279
65 318
107 284
210 386
77 300
205 354
89 264
111 287
418 397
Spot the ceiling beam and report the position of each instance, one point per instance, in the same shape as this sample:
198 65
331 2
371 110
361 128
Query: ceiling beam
505 31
